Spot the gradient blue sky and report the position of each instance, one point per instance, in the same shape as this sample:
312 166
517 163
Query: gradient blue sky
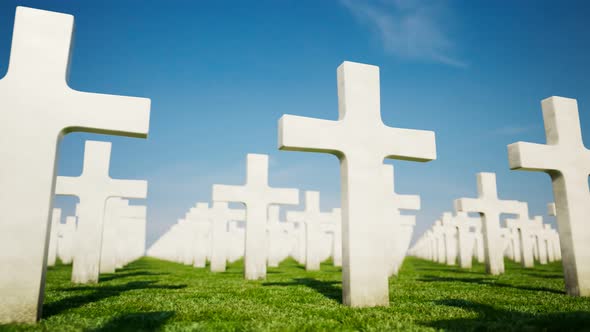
221 73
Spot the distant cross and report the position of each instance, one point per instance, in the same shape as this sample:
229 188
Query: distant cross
490 207
65 245
53 238
93 188
220 215
37 109
108 253
312 217
524 226
277 239
256 195
567 161
361 141
450 237
130 242
199 239
399 227
465 237
335 225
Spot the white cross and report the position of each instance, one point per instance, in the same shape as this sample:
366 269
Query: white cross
312 218
278 241
112 216
361 141
93 188
65 245
398 227
567 161
53 238
465 237
220 215
257 195
490 207
524 227
199 229
37 109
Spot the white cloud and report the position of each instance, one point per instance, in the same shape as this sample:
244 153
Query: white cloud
409 29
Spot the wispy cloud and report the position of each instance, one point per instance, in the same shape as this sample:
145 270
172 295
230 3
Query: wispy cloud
411 29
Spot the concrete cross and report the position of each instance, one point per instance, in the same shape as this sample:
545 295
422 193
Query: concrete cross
567 161
34 94
53 238
277 237
199 235
450 233
361 141
490 207
220 216
65 245
312 218
110 235
93 188
524 227
399 228
256 195
465 237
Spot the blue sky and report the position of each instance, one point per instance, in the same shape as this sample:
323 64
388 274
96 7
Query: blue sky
221 73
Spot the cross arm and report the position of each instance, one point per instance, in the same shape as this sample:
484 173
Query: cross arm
295 216
225 193
66 185
108 114
409 144
408 202
468 205
531 156
288 196
129 188
297 133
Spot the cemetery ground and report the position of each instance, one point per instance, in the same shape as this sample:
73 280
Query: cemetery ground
150 294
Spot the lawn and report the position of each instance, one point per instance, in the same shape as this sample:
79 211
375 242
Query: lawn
150 294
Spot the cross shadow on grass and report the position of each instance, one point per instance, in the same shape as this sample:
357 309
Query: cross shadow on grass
492 319
488 282
98 293
140 321
326 288
119 275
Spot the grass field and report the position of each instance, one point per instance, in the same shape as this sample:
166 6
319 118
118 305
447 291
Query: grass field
155 295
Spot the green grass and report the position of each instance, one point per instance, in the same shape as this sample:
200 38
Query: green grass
155 295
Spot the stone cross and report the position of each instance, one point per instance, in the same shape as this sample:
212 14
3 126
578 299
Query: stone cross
93 188
524 227
198 242
490 207
65 245
34 94
53 238
312 218
399 228
336 223
110 235
220 215
277 237
567 161
466 237
361 141
256 195
450 234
